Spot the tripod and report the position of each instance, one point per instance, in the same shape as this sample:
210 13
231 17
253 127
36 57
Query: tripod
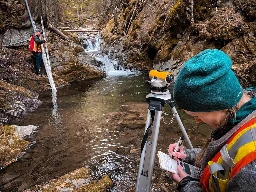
156 101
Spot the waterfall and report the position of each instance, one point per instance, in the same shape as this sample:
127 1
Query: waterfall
111 65
112 68
93 44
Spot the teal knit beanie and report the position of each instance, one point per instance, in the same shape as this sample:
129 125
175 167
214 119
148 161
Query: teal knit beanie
207 83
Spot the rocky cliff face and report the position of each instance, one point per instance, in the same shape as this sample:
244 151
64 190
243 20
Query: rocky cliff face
14 14
167 33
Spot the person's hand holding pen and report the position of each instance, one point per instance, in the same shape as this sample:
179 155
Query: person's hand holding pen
176 150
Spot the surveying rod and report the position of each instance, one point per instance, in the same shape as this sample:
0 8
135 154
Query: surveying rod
30 16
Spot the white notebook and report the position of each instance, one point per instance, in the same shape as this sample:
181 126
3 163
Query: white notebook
169 164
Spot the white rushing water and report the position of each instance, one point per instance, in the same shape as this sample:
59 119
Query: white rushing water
111 66
93 44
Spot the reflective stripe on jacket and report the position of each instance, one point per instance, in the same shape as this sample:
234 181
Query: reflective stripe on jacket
239 151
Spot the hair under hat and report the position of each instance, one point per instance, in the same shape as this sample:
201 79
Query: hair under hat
207 83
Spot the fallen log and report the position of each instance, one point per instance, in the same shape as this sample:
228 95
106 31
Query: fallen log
80 30
54 29
63 27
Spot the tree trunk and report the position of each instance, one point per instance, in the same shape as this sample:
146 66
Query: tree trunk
54 29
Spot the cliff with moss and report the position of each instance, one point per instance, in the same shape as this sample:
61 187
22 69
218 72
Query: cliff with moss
167 33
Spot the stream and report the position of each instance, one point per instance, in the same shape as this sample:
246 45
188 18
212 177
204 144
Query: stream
82 137
86 133
79 134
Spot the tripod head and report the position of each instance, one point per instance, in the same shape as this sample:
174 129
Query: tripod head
160 81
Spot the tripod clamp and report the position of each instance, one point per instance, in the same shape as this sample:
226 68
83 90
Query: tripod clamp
155 104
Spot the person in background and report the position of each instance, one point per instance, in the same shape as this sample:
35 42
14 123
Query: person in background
35 47
208 90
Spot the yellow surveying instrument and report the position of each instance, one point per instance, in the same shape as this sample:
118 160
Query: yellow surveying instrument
160 81
157 99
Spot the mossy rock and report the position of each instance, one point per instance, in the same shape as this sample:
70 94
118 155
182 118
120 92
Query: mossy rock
78 72
79 176
11 145
77 50
107 31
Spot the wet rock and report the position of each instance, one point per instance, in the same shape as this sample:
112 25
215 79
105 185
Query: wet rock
16 102
13 143
23 131
16 38
75 181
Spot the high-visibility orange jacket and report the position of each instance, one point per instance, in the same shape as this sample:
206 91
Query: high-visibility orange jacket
35 44
239 151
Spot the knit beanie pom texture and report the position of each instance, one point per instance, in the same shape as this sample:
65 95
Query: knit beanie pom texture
207 83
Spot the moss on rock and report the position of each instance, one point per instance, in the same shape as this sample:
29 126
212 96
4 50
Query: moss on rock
11 145
75 181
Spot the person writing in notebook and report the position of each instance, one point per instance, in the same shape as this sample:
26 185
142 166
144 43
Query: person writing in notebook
208 90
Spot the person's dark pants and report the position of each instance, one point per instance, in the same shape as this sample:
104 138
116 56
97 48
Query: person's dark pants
39 58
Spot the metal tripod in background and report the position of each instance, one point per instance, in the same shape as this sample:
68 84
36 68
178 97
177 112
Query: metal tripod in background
157 99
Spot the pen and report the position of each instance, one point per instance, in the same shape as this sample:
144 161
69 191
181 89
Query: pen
179 143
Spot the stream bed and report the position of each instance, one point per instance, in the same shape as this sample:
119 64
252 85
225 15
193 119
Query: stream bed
99 125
